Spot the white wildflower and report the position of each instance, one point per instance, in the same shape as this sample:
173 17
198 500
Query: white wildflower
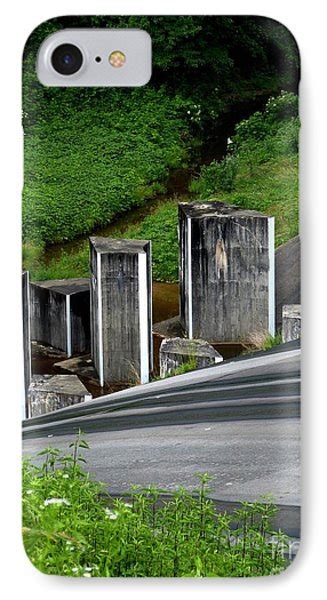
89 569
111 514
87 575
75 569
65 476
56 501
29 492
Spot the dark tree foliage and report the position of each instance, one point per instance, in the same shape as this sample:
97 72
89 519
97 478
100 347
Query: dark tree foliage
216 60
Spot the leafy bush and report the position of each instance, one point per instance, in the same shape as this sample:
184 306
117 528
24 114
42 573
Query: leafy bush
83 167
72 527
216 176
264 175
271 133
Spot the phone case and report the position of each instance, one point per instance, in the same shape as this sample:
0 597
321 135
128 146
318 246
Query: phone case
161 307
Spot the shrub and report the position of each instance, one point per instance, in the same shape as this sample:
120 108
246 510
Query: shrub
72 527
83 167
215 177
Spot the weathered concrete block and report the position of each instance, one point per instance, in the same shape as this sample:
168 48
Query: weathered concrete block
288 276
226 271
51 392
121 309
60 314
175 352
291 328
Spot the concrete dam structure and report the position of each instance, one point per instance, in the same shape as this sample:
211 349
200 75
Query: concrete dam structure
227 279
121 309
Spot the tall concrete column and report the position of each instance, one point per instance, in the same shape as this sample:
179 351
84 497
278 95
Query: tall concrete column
227 279
121 309
26 337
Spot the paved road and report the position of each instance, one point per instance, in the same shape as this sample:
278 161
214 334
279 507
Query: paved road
247 458
260 386
239 421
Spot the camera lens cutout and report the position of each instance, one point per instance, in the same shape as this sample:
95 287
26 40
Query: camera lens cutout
67 59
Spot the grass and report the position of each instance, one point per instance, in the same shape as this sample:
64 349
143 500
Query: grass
159 226
273 190
72 527
262 340
185 367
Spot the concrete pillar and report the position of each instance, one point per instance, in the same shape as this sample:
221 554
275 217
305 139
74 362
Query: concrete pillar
26 336
121 309
226 271
174 352
288 276
291 327
51 392
60 314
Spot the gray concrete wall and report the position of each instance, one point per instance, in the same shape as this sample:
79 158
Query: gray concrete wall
26 335
60 314
226 271
121 309
288 276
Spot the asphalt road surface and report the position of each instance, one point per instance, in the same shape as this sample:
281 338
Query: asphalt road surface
238 421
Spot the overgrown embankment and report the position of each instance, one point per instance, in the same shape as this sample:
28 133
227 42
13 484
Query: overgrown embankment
259 171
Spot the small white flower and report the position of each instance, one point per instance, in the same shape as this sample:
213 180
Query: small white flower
111 514
128 505
75 569
88 569
87 575
65 476
56 501
29 492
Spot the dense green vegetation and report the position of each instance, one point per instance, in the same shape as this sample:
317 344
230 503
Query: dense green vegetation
81 176
259 171
71 526
92 154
